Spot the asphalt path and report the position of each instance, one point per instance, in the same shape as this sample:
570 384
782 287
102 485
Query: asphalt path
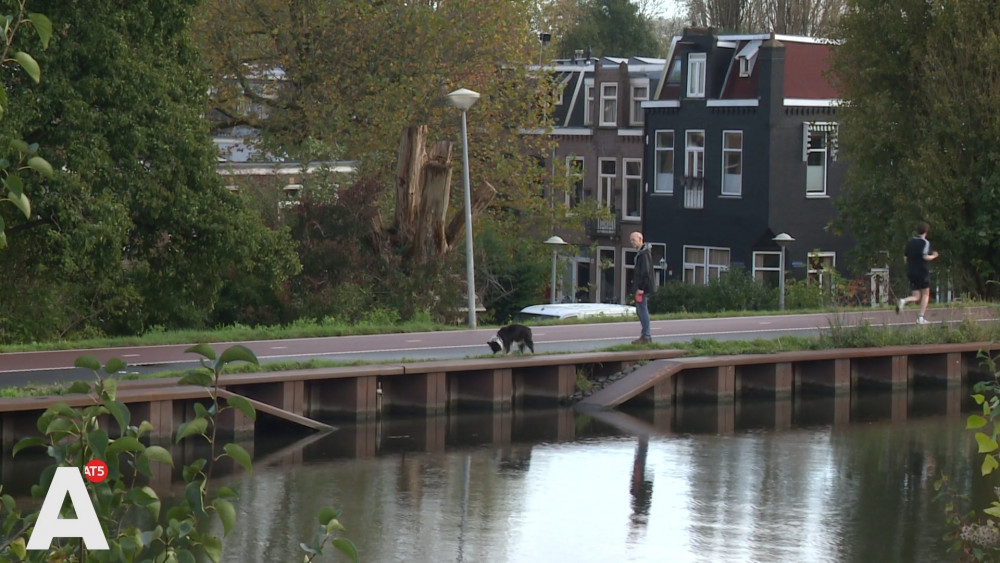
21 368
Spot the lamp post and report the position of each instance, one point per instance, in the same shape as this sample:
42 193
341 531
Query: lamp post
463 99
555 241
783 240
543 39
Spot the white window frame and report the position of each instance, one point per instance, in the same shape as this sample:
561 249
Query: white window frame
824 276
606 183
694 155
588 101
628 266
697 70
694 170
706 269
631 183
576 171
732 184
609 104
609 252
818 174
760 272
664 181
744 66
640 93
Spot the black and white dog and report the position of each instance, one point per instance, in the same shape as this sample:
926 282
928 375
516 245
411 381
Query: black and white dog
510 335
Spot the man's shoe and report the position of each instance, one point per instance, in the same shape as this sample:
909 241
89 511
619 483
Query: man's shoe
922 321
642 340
899 305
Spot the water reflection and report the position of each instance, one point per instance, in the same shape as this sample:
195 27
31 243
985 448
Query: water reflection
810 480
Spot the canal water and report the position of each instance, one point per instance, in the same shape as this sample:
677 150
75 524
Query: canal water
824 480
808 481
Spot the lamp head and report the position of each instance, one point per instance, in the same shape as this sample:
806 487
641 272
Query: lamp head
556 240
463 98
783 239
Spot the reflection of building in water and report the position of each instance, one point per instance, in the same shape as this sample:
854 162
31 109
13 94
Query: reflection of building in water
641 490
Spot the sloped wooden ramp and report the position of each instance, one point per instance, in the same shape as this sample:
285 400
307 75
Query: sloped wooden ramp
642 379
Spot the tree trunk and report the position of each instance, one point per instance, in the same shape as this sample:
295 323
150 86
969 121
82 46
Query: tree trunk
423 197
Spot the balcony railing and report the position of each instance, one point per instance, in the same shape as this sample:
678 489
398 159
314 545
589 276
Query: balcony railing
604 227
694 192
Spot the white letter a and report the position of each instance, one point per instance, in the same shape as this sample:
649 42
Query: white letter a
49 525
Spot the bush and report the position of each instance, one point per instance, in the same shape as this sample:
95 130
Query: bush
734 290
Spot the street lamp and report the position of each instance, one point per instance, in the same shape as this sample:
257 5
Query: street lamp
783 240
555 241
463 99
543 39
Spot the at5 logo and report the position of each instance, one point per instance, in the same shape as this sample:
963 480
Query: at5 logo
86 524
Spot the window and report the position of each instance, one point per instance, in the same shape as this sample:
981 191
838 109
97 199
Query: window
606 278
694 170
588 101
822 266
767 267
694 161
674 76
640 93
732 163
819 147
609 104
696 75
575 172
632 194
747 56
664 183
704 263
606 189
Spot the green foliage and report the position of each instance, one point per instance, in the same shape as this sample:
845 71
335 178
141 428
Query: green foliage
613 28
976 534
137 524
139 226
511 274
734 290
17 156
917 75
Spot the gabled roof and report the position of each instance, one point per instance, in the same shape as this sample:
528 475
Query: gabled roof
806 65
572 74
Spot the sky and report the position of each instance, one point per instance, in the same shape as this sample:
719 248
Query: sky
665 8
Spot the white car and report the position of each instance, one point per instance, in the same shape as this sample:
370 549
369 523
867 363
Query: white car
558 311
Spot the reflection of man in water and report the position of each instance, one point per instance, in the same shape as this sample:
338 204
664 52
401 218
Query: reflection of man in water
641 488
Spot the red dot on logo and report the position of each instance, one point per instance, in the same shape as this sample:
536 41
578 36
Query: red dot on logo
95 471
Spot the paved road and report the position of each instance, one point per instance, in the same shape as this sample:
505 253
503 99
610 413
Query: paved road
45 367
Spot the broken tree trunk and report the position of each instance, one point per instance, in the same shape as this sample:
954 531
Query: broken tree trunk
412 149
423 196
428 235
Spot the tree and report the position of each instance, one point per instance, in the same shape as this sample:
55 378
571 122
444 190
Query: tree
811 18
607 28
137 230
344 78
922 84
24 156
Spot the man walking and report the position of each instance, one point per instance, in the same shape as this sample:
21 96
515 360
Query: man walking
645 285
918 254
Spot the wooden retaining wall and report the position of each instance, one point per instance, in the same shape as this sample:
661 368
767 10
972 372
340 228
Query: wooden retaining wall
503 384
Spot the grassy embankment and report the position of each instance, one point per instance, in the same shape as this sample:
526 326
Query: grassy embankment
839 336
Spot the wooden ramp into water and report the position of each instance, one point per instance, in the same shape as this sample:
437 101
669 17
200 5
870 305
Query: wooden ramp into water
280 413
642 379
